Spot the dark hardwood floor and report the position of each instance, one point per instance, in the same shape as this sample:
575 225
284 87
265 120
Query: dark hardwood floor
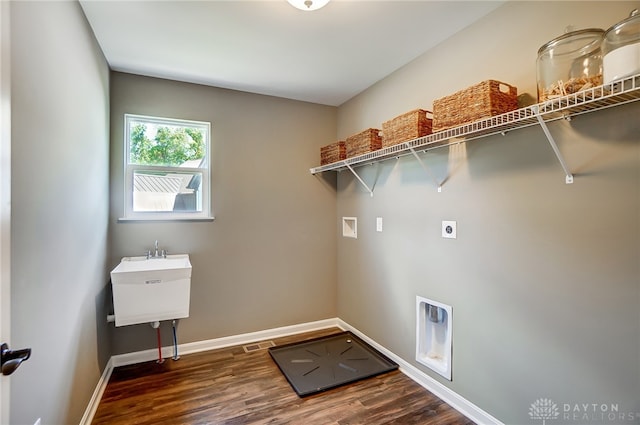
229 386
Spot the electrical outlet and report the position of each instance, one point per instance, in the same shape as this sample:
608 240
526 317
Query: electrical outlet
449 229
378 224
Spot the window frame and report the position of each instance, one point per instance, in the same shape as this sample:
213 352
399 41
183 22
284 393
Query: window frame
130 169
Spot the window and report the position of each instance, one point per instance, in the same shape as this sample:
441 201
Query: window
166 163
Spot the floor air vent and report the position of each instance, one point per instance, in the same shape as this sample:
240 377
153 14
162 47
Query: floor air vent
258 346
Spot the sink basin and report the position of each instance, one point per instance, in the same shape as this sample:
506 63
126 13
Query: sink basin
149 290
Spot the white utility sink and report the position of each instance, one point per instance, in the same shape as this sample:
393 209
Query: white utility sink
151 289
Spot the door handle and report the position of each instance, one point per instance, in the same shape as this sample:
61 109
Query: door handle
11 359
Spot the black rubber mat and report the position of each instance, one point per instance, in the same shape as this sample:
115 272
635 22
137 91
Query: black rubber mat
319 364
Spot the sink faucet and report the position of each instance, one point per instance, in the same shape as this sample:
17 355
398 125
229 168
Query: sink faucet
157 253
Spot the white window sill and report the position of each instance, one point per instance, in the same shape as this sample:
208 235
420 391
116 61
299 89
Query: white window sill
164 219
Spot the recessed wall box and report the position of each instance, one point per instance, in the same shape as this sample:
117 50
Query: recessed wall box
434 324
350 227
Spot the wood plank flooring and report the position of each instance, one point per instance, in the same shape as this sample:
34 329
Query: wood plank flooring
232 387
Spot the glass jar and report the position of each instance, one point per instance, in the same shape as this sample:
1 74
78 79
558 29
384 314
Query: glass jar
621 49
570 63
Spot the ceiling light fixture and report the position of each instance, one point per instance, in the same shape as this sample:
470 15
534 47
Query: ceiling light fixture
308 5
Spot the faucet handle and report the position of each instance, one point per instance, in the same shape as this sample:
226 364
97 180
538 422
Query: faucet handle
164 253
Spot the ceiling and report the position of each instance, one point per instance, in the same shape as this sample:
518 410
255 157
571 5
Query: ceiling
268 47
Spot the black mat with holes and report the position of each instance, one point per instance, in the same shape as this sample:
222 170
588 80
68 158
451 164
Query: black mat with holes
319 364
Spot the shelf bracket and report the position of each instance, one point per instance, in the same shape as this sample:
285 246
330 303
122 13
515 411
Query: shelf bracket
554 146
426 169
359 179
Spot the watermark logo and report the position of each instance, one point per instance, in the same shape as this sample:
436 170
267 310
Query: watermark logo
544 408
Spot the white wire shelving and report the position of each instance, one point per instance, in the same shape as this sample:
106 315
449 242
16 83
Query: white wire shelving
596 98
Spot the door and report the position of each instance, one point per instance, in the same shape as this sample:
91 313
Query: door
5 196
11 359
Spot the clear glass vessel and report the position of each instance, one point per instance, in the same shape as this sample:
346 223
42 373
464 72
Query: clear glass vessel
570 63
621 49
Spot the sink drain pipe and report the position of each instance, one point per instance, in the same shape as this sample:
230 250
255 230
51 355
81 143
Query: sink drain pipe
175 342
156 326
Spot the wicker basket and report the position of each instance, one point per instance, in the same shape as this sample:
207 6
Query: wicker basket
333 153
483 100
363 142
408 126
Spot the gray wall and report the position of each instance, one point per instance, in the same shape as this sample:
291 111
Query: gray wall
543 278
268 259
60 157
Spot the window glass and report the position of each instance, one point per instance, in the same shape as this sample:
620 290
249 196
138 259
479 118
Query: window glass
168 145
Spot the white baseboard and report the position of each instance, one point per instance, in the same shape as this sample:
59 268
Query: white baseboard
452 398
90 411
227 341
456 401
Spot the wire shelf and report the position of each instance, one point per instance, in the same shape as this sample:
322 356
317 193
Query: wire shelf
612 94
